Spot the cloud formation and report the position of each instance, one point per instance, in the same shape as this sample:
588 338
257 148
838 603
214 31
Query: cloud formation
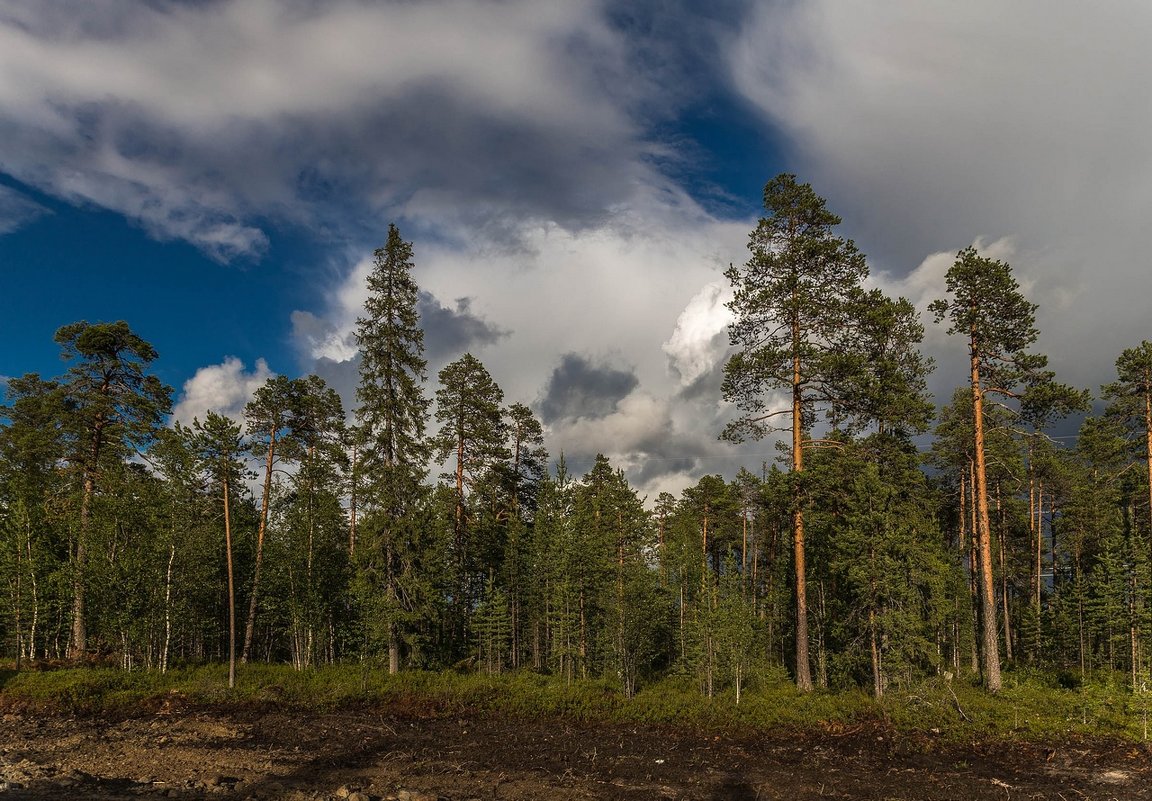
930 126
700 339
224 388
17 210
476 110
580 388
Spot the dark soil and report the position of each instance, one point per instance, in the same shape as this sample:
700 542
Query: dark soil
362 755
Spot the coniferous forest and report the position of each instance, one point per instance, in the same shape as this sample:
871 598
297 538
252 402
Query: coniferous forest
897 536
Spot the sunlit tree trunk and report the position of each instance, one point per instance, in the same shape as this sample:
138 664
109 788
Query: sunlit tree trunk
989 634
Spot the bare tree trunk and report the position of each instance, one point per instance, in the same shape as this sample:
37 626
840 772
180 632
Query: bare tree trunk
168 606
991 649
250 626
803 670
1004 595
874 648
1148 445
231 590
1039 564
79 639
352 501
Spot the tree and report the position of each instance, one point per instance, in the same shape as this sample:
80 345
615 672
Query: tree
989 311
113 406
527 470
220 449
472 438
529 458
392 414
1131 401
316 429
31 444
795 303
880 373
268 415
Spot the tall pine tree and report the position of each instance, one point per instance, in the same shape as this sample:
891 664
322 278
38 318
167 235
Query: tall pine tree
795 305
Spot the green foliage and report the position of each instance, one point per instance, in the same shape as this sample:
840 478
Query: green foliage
564 595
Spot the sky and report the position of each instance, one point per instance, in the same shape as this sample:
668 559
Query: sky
574 176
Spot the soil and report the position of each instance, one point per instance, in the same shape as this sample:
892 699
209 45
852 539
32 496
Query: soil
409 755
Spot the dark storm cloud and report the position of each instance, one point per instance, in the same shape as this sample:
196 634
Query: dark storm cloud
579 388
450 332
343 377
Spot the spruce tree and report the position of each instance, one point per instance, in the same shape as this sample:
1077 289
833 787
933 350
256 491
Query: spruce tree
392 415
1131 403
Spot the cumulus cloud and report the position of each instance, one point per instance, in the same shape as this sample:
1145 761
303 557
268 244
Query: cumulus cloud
700 339
224 388
930 126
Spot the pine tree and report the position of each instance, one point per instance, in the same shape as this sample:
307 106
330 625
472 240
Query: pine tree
220 449
268 417
472 438
989 311
796 301
113 405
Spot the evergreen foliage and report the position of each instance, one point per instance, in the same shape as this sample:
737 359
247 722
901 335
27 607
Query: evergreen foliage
850 565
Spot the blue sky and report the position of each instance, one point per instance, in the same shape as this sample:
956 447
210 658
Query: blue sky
574 175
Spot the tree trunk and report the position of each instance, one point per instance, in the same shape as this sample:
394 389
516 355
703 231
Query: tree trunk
250 626
1148 444
231 590
1039 565
874 649
168 606
803 670
990 637
79 639
352 502
1002 528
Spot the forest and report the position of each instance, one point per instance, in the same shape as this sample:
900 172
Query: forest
896 537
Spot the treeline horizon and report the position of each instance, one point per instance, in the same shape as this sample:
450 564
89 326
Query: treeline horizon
856 560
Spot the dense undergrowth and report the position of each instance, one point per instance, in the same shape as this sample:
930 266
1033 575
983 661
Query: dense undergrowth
1032 705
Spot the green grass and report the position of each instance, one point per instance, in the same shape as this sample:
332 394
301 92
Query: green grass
1032 706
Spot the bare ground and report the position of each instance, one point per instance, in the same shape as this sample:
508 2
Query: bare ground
413 755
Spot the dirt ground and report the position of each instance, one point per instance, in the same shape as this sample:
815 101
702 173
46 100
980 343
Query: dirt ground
364 755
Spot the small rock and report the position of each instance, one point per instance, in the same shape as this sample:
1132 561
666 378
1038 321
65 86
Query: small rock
358 796
414 795
343 791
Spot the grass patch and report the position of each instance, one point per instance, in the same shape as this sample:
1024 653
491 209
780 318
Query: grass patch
1031 706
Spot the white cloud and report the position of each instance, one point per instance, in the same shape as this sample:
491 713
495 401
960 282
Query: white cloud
931 125
616 293
693 350
224 388
204 121
17 210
